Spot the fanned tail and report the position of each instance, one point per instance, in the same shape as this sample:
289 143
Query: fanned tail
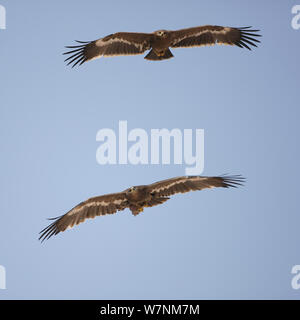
154 57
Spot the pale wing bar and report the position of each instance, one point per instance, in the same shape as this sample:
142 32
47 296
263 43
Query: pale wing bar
244 37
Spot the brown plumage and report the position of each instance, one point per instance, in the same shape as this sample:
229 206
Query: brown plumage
136 199
131 43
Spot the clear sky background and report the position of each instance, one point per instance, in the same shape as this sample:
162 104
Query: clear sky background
230 243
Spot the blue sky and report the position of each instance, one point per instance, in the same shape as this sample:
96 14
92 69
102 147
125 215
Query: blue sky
214 244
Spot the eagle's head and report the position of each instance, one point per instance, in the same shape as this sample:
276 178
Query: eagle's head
161 33
135 193
132 190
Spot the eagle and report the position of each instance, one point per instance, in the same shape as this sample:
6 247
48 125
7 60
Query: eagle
136 199
159 42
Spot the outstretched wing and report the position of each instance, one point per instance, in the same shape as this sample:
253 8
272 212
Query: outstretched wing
211 35
169 187
121 43
97 206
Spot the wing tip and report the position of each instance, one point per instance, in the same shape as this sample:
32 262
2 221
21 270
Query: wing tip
78 55
50 230
233 181
247 37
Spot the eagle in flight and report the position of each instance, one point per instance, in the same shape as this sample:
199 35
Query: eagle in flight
159 42
136 199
